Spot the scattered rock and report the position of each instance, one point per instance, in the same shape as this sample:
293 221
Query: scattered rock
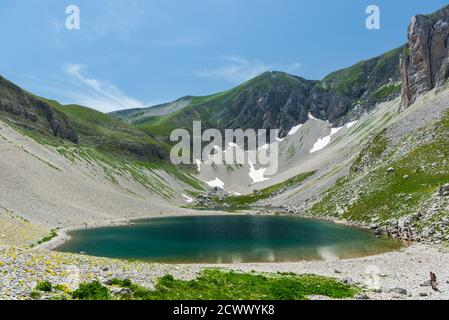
362 296
398 291
444 190
107 282
121 291
423 294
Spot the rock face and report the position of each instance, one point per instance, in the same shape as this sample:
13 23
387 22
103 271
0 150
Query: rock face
26 111
271 100
425 61
347 93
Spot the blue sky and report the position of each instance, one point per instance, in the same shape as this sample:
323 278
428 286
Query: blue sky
141 52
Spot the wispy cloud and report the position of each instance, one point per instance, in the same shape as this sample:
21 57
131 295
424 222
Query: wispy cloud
236 70
95 93
293 67
119 17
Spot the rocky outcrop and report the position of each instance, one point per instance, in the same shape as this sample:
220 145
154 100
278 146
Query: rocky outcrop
425 61
24 110
347 93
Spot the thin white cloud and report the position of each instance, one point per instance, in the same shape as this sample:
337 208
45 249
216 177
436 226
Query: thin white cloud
236 70
119 17
56 25
96 93
294 66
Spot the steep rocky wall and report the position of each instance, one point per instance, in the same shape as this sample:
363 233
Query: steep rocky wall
28 112
425 61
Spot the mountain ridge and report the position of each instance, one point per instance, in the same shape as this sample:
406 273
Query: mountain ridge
340 96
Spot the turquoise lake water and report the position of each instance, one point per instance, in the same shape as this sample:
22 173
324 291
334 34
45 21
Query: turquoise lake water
228 239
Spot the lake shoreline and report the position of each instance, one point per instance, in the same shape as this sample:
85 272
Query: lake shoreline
381 275
373 248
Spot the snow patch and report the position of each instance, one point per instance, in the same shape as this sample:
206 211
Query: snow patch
189 200
312 117
198 165
257 175
335 130
280 139
216 183
351 124
323 142
294 130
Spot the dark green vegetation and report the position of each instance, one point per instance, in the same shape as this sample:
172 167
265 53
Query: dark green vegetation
247 200
227 239
388 91
91 291
220 285
387 182
44 286
53 234
365 76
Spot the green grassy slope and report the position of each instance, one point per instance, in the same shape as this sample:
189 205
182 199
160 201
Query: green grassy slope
244 106
110 134
365 75
391 182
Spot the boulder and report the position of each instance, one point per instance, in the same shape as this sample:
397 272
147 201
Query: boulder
398 291
444 190
121 291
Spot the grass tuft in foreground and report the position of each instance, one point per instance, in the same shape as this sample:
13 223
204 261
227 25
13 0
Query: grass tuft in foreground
220 285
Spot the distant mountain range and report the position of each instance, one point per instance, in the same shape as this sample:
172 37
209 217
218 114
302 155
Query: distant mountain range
271 100
279 100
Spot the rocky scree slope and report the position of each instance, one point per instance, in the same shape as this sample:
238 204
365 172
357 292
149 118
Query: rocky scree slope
399 183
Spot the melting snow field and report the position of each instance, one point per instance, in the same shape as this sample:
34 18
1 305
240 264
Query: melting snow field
294 130
216 183
323 142
198 165
257 175
312 117
351 124
189 200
